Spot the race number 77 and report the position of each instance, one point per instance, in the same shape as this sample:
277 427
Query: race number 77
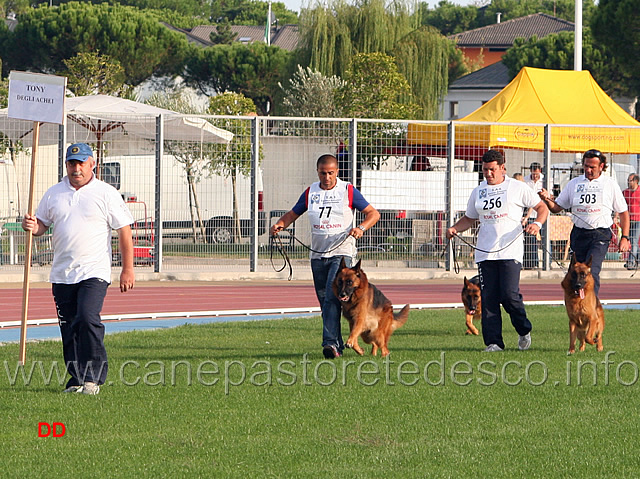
322 210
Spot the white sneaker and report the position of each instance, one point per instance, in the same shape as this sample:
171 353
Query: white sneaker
91 389
524 342
73 389
493 348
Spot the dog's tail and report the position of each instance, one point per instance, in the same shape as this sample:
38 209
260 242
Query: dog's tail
401 317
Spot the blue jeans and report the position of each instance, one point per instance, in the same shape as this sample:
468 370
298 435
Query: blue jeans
324 271
591 244
500 285
82 331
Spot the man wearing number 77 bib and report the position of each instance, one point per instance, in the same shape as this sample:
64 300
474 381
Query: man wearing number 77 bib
330 204
592 198
497 203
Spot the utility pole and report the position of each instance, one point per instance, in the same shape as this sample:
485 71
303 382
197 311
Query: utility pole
577 41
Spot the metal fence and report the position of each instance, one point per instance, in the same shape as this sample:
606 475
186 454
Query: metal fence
201 205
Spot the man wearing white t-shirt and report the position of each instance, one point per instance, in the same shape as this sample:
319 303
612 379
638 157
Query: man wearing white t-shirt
330 205
497 203
83 211
592 198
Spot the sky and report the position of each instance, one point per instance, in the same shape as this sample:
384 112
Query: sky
296 4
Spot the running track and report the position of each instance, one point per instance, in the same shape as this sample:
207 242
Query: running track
178 297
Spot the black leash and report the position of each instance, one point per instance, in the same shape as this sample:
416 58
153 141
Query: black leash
321 252
456 265
277 241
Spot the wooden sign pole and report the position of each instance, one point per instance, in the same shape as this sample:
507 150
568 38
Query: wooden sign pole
28 247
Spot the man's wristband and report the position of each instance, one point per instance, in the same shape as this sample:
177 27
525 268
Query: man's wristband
625 237
361 227
538 224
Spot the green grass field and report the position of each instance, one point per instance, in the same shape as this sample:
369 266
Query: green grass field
257 399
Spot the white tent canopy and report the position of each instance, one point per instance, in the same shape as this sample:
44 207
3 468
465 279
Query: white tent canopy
103 117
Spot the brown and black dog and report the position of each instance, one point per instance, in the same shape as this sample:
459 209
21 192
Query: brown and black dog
472 302
586 316
368 311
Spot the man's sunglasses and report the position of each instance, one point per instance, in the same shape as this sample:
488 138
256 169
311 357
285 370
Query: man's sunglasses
592 154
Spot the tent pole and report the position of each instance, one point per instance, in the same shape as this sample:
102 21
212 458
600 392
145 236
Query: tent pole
547 184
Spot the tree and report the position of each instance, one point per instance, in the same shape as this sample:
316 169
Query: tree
311 94
428 75
191 8
616 25
16 7
332 35
253 70
448 18
255 13
511 9
189 157
234 159
223 34
4 90
92 73
556 51
45 37
372 89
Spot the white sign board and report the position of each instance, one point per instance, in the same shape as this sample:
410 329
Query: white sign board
416 190
36 97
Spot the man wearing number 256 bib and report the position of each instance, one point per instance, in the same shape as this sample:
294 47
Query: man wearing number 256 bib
592 198
330 204
497 203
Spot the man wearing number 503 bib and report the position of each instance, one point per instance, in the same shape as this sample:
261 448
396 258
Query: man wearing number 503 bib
329 204
497 203
592 198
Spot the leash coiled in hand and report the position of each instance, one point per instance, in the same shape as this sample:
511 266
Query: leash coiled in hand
456 266
277 241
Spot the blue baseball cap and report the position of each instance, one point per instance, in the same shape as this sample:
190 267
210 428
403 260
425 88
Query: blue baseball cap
79 151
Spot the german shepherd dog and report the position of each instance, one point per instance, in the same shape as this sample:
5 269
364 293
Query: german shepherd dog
586 316
472 303
368 311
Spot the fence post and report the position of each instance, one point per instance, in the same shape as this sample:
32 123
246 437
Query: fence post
255 164
157 246
62 141
353 151
451 153
546 183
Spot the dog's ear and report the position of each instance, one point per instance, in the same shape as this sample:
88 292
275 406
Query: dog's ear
466 281
588 263
573 260
356 268
342 265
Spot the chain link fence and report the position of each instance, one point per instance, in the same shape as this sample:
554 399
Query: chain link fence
203 205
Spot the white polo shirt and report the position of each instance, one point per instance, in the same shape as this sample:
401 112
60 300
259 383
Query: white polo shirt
82 223
592 202
499 210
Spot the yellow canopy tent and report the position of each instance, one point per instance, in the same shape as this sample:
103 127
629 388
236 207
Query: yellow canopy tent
538 97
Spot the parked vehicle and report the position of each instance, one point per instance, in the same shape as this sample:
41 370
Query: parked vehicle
135 178
9 199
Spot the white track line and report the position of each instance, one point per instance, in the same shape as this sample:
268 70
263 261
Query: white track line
274 311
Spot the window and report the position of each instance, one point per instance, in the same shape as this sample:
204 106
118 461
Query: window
110 173
453 110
